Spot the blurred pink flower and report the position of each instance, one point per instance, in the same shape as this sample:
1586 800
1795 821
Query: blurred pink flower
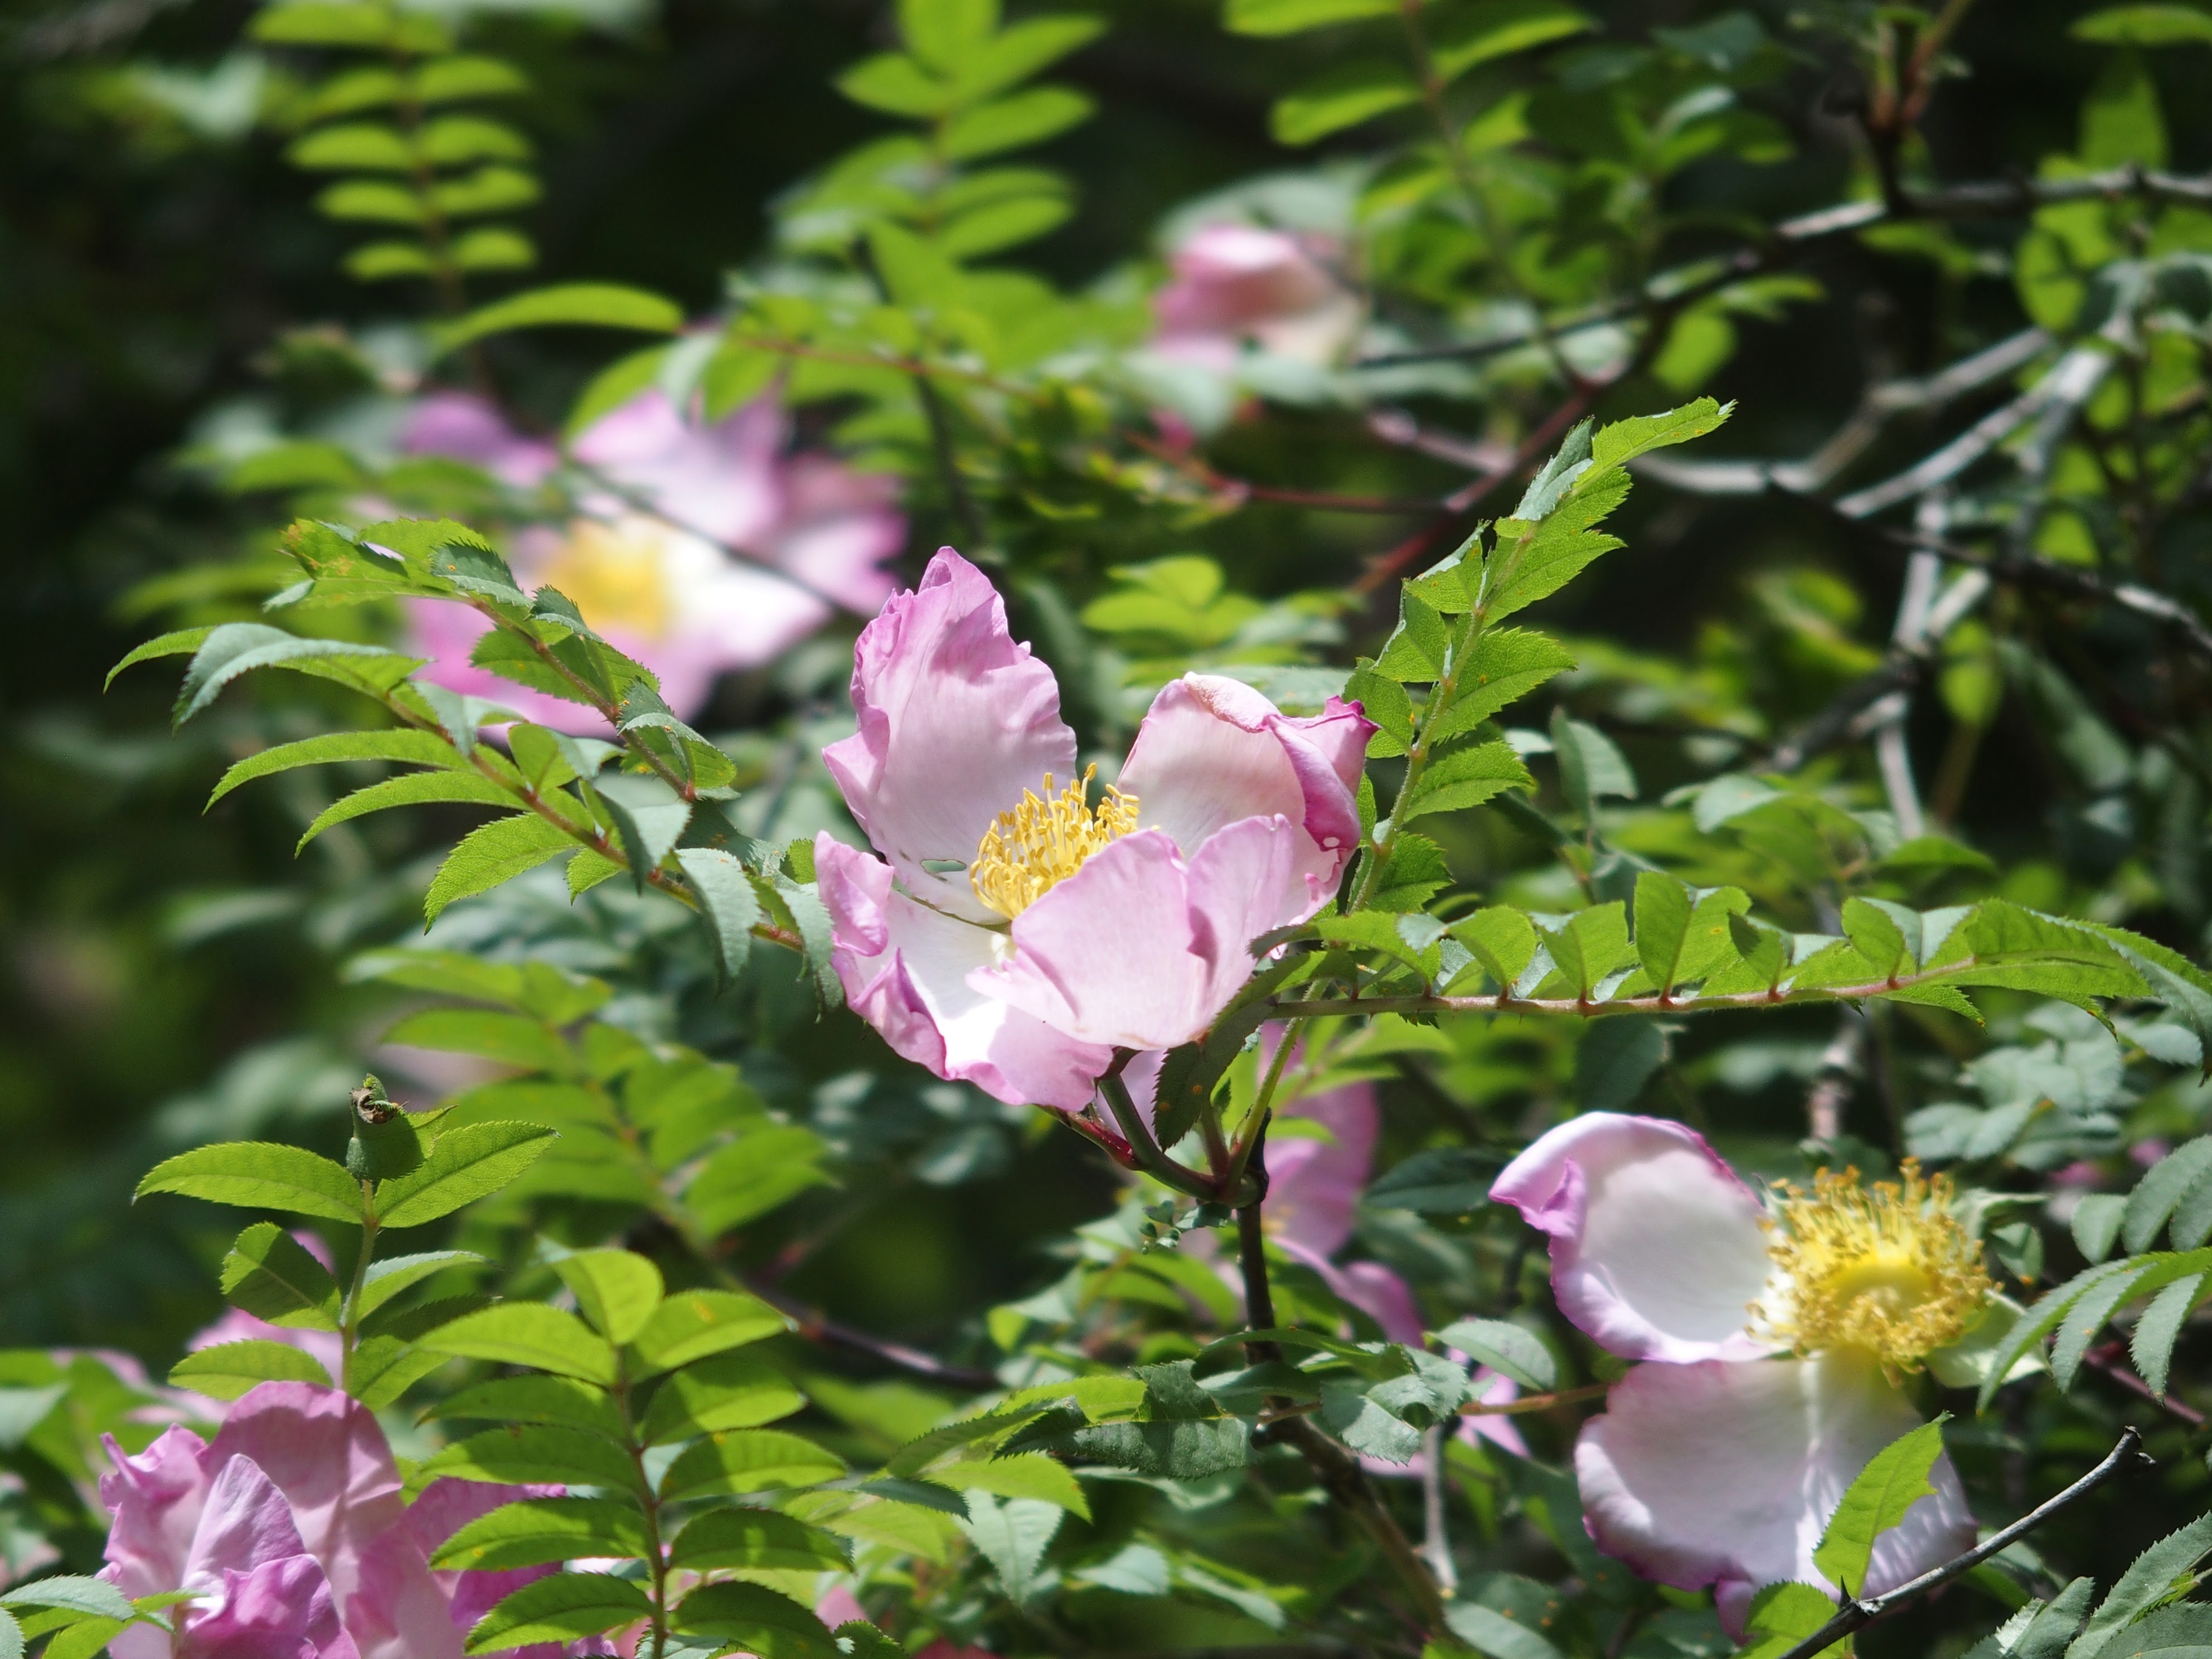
1015 938
1718 1461
291 1531
699 548
1234 284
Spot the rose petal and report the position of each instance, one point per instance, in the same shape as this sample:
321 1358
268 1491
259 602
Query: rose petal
908 970
444 1508
1212 751
1726 1472
280 1609
957 720
1656 1249
155 1499
1138 950
326 1453
245 1523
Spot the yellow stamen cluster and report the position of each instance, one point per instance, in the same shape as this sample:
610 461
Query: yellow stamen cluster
616 574
1045 839
1888 1270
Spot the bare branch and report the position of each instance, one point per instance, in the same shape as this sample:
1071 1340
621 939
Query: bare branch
2125 1458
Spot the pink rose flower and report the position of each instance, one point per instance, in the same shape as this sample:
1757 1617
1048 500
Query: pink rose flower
292 1532
1238 284
699 548
1010 934
1719 1461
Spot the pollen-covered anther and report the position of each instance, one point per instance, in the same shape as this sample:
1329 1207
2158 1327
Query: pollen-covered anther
1887 1269
1045 839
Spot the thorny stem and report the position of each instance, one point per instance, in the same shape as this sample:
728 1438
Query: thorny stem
1146 1151
1253 1130
1337 1469
595 838
2127 1457
649 1504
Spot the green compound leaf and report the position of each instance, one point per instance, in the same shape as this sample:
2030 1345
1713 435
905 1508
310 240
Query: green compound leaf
723 1391
565 1607
618 1290
693 1324
528 1334
91 1598
583 305
757 1540
539 1454
259 1174
757 1619
271 1274
413 789
470 1163
237 648
1892 1482
1294 16
398 744
492 854
748 1460
229 1368
539 1532
1342 97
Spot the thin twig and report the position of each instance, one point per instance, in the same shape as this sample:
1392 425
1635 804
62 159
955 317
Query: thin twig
2127 1455
2104 1360
818 1327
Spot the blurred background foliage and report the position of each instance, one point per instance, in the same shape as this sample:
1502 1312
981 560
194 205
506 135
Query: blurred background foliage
170 297
160 259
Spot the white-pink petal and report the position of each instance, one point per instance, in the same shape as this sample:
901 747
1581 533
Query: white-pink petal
1140 949
1212 751
908 970
1726 1473
955 720
1656 1247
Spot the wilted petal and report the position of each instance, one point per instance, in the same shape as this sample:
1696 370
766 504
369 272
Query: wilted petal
325 1452
1656 1249
1140 949
957 720
906 970
1212 751
1726 1473
155 1499
280 1609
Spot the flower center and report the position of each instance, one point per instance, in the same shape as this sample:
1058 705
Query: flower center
1887 1269
1045 839
616 573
